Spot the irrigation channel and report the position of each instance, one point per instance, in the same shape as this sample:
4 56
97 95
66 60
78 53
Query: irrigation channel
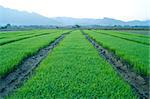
16 78
139 84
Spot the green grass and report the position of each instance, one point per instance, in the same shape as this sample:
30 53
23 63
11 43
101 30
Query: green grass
74 70
13 53
135 53
132 37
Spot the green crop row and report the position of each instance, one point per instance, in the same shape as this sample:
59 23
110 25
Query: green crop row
11 34
140 33
24 35
74 69
135 53
13 53
130 32
127 36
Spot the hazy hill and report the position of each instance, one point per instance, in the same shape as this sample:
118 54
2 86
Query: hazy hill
104 21
16 17
23 18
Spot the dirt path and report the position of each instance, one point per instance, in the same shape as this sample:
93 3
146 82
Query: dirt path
16 78
139 84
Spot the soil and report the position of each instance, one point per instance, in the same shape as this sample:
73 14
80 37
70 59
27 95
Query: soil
139 83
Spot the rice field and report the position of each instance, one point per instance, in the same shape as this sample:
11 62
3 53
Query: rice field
73 68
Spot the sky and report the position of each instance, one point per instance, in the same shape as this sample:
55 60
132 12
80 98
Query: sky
118 9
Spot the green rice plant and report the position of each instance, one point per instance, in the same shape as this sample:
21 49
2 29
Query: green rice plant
74 69
12 37
9 34
127 36
12 54
135 53
142 33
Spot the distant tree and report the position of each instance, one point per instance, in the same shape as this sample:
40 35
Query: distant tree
3 27
57 27
78 26
8 25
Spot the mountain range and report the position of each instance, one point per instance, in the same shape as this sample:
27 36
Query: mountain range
16 17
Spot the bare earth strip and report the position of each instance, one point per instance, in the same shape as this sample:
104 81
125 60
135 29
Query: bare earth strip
139 83
16 78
